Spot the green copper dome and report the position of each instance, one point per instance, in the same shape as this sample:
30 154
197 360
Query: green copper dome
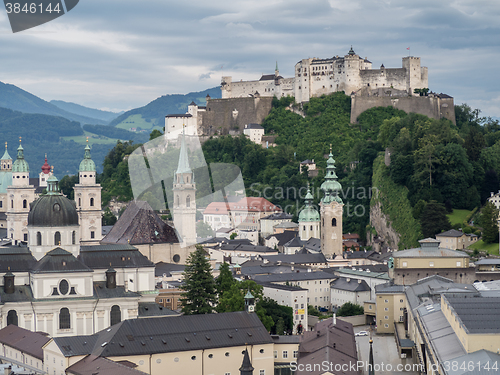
331 186
87 164
309 213
20 165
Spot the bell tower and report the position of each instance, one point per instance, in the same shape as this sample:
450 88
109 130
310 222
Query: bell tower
184 189
331 212
88 201
19 196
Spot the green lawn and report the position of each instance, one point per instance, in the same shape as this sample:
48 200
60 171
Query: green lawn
135 121
93 138
491 248
458 216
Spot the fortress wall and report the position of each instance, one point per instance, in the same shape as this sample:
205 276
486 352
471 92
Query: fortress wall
222 115
426 105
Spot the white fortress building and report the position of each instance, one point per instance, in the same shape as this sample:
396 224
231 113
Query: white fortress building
315 77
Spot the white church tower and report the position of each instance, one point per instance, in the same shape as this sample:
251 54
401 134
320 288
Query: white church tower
331 212
88 201
309 220
184 189
19 196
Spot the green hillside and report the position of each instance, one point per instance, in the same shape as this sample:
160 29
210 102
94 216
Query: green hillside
12 97
81 110
153 114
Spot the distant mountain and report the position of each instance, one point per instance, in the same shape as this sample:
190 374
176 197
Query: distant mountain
86 111
12 97
156 110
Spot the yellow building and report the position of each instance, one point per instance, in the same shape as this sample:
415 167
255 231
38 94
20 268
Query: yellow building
456 239
390 303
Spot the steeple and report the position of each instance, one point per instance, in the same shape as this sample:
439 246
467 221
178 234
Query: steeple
351 52
87 164
46 166
331 186
53 184
6 155
246 367
249 302
183 165
20 165
309 218
6 161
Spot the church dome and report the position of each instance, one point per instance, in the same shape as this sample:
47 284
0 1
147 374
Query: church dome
309 213
20 165
52 211
87 164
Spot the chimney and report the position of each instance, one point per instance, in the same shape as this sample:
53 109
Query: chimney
348 279
359 281
111 278
8 282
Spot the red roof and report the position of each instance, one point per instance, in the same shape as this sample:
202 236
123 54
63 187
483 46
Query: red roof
249 204
350 236
46 167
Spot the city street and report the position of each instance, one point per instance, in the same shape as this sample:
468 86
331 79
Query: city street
385 354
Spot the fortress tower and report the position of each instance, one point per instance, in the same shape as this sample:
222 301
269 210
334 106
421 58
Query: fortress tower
331 212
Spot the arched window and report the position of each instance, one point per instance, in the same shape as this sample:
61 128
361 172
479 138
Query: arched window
188 201
91 202
178 201
73 237
57 239
38 239
64 318
334 222
116 315
25 203
12 317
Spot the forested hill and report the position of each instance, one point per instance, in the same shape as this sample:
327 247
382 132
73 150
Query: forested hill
156 110
12 97
433 159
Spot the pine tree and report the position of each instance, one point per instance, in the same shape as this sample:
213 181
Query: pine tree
489 223
199 295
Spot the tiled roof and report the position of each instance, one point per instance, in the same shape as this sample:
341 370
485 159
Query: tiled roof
297 258
18 259
92 365
478 314
60 260
24 340
350 285
450 233
96 259
295 276
153 309
139 224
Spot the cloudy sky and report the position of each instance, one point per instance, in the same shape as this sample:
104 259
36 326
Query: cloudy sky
119 55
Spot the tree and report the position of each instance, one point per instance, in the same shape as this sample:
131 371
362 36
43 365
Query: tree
108 218
489 223
225 279
433 219
199 295
155 134
204 230
233 235
311 310
350 309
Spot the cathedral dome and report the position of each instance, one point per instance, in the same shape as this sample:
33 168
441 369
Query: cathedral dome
87 164
309 213
20 165
52 211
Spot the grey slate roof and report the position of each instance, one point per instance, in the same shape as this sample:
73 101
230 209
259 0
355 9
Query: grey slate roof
24 340
297 258
181 333
451 233
284 237
480 357
18 258
295 242
139 224
22 293
429 252
280 286
487 261
118 256
100 291
253 126
60 260
278 216
389 288
295 276
76 345
162 268
353 285
93 365
478 314
150 309
313 244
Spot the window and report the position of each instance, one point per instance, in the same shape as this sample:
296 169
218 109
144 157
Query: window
39 239
25 236
57 239
12 317
115 315
73 237
386 309
386 325
386 317
188 201
262 372
79 201
295 354
92 234
275 354
401 300
386 301
177 201
285 353
431 264
459 264
334 222
64 318
91 202
63 287
405 264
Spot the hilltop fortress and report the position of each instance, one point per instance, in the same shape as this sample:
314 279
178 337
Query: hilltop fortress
245 102
315 77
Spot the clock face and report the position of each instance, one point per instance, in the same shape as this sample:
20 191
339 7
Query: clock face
250 308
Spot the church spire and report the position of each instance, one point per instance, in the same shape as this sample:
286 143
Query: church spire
246 367
183 166
52 184
87 164
331 186
6 155
20 165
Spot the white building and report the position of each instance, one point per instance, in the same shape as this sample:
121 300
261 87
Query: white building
254 132
345 290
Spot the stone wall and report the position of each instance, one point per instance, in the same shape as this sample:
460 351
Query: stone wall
431 106
223 115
